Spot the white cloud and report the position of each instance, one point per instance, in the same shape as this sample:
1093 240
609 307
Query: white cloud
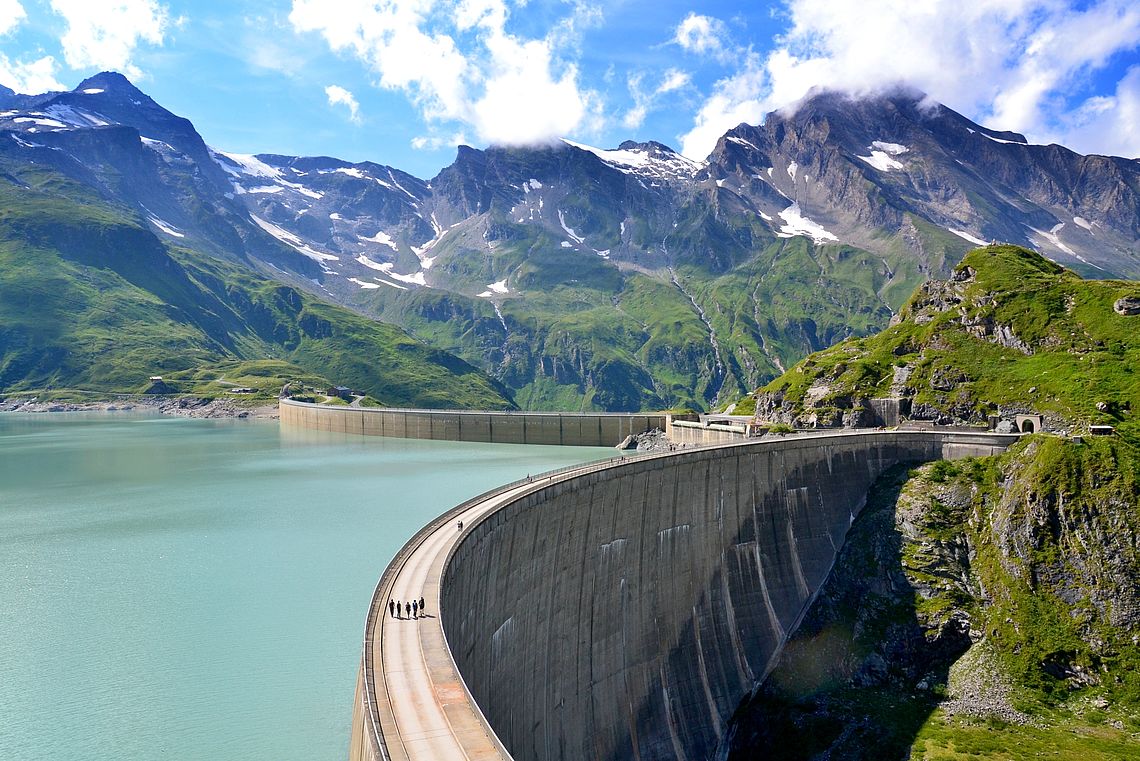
674 79
338 96
509 89
11 14
104 33
645 101
32 77
1006 63
703 35
1109 124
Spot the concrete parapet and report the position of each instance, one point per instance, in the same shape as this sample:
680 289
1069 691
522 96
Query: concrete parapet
602 429
625 612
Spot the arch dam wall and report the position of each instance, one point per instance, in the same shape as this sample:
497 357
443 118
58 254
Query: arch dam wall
625 613
602 429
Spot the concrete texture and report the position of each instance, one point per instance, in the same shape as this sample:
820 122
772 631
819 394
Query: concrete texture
560 428
624 613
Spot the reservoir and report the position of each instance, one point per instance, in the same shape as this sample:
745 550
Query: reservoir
196 589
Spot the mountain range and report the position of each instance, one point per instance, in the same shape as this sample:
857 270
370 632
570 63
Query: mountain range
571 277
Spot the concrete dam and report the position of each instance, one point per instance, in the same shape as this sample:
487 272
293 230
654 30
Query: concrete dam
621 610
590 429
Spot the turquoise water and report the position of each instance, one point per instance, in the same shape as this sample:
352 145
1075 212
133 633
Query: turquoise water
194 589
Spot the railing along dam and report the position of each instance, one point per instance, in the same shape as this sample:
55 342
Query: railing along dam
621 610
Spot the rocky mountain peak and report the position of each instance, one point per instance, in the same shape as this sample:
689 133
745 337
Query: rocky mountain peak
112 82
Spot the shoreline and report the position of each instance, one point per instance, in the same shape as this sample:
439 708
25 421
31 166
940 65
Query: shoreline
189 407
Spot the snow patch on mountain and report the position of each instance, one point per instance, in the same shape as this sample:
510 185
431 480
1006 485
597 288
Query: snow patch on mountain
363 283
569 231
1053 238
165 227
382 238
792 167
293 241
246 164
795 223
1082 222
967 236
893 149
40 121
882 153
499 286
417 278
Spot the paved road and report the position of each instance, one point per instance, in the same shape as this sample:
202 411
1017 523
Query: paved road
429 715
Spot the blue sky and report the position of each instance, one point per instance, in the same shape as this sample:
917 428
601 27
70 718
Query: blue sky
403 82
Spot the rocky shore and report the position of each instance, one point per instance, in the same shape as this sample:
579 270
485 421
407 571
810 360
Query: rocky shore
180 406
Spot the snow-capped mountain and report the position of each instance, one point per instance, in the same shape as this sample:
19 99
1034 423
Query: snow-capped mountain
702 279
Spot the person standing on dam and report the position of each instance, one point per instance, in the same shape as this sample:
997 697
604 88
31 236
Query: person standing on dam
422 607
391 609
398 609
415 609
408 609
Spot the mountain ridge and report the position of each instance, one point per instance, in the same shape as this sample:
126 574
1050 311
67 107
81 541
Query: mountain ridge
706 279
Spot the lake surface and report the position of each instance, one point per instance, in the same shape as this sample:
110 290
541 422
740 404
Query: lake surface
196 589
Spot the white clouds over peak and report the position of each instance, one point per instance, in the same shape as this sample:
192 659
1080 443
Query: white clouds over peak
458 63
1007 63
105 33
11 14
338 96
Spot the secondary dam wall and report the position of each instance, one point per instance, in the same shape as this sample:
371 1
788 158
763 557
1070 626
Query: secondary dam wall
624 614
603 429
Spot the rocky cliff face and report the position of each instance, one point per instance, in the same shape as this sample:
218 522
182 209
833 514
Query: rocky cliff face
996 597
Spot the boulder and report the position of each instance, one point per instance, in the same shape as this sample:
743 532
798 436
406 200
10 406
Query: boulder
1127 305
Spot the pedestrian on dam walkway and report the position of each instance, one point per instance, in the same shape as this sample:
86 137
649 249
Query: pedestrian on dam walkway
391 609
415 609
398 609
422 607
408 609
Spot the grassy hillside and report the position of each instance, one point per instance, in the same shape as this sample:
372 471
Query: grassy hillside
91 299
1011 331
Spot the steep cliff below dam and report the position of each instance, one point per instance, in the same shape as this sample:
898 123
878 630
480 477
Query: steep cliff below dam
626 613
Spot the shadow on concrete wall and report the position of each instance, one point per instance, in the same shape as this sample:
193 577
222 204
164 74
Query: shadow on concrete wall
859 677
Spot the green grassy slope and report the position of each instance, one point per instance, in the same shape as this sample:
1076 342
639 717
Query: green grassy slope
91 299
1014 331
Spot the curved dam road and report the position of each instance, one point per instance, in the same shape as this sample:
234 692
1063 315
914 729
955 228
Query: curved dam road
619 610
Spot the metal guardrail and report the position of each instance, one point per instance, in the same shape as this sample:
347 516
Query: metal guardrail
543 481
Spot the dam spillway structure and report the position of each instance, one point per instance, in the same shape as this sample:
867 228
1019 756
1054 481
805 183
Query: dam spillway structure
620 610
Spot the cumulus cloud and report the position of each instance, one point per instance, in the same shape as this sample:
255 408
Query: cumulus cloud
338 96
30 77
458 63
1006 63
703 35
105 33
11 14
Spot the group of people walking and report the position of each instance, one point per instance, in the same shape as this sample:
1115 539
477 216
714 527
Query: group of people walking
411 609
